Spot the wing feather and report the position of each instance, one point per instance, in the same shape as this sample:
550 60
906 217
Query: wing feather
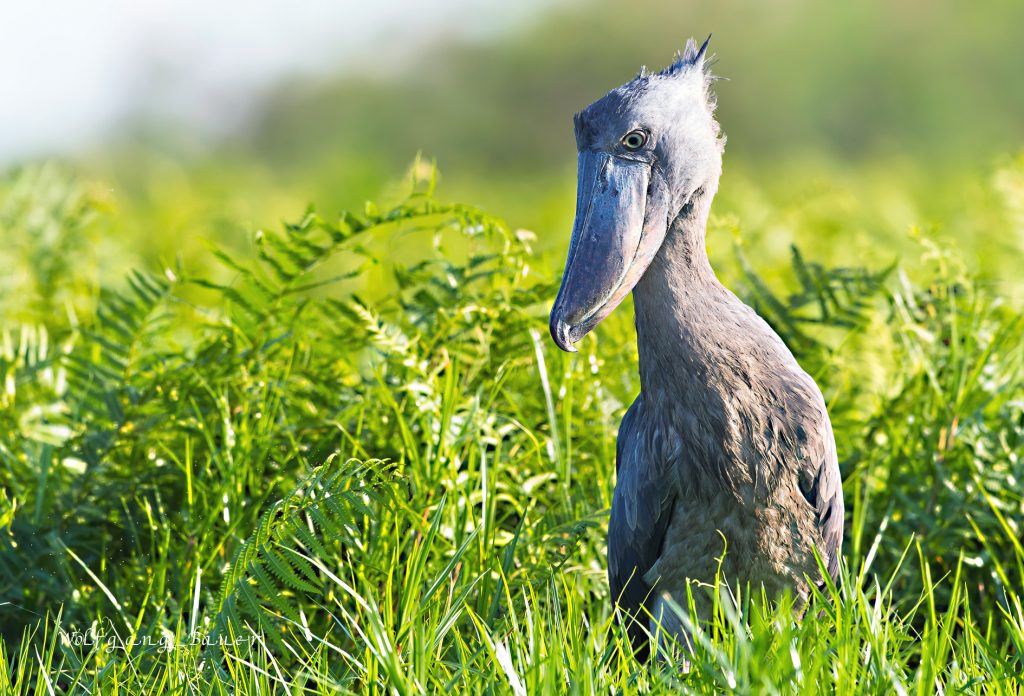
821 484
641 511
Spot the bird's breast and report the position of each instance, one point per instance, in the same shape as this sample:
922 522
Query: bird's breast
721 537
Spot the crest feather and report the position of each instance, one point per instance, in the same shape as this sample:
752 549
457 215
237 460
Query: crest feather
690 57
694 58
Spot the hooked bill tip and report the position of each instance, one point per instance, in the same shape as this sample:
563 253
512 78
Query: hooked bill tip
561 333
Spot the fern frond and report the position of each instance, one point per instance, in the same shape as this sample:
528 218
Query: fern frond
838 297
269 570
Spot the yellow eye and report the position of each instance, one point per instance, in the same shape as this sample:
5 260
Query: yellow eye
634 140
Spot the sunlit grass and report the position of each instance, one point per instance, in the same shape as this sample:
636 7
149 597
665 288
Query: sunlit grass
270 484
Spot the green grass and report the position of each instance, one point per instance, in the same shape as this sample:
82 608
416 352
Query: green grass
353 462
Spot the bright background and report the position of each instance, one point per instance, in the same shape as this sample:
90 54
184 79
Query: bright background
204 121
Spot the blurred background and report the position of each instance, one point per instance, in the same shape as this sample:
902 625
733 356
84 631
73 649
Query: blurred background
851 127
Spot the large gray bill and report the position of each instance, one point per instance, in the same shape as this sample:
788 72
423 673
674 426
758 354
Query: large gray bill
614 238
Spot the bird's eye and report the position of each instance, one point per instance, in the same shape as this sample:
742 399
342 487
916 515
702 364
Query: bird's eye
634 140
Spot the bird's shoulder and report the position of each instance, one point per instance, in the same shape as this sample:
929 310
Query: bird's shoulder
643 497
644 451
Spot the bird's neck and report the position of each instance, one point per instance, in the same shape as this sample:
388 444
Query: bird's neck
677 302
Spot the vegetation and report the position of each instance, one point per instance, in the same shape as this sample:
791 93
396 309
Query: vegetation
859 119
335 465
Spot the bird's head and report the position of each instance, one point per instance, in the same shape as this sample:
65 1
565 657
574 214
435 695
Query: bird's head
644 149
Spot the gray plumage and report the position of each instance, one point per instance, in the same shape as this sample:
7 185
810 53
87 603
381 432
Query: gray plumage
729 442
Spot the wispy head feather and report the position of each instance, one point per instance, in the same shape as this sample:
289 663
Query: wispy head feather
689 58
694 59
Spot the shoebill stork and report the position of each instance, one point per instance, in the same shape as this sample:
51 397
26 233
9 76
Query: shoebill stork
729 443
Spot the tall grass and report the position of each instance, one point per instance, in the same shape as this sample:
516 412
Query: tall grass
280 477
